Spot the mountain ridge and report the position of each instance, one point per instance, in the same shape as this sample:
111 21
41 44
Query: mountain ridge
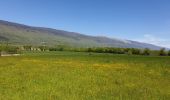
29 35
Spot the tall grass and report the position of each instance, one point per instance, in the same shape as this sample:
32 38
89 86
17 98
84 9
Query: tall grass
80 76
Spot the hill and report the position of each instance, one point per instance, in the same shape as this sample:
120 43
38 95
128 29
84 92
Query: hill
20 34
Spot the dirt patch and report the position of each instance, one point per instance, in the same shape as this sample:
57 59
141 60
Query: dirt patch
7 55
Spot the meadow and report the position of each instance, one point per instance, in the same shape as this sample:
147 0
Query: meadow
83 76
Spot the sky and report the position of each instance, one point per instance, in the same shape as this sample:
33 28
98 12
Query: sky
140 20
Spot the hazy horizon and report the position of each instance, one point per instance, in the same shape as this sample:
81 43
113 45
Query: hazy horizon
144 21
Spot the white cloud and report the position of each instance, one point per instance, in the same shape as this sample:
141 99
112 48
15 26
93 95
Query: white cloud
148 38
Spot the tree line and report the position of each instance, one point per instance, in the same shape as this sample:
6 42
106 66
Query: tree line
129 51
9 49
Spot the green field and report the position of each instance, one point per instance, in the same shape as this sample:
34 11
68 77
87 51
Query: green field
83 76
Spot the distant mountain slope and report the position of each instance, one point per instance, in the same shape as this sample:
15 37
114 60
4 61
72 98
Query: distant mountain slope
23 34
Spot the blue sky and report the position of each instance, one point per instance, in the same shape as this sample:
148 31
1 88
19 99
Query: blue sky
142 20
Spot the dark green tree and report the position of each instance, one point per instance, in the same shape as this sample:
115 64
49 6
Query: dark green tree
169 53
162 52
135 51
27 47
89 50
146 51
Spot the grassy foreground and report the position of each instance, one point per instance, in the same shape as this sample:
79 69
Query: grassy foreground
80 76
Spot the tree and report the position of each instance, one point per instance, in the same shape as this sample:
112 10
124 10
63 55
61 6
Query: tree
154 53
89 50
52 49
27 47
169 53
135 51
146 51
162 52
99 50
0 50
43 48
60 49
12 50
129 52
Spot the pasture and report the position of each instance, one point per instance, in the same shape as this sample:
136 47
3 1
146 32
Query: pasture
80 76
